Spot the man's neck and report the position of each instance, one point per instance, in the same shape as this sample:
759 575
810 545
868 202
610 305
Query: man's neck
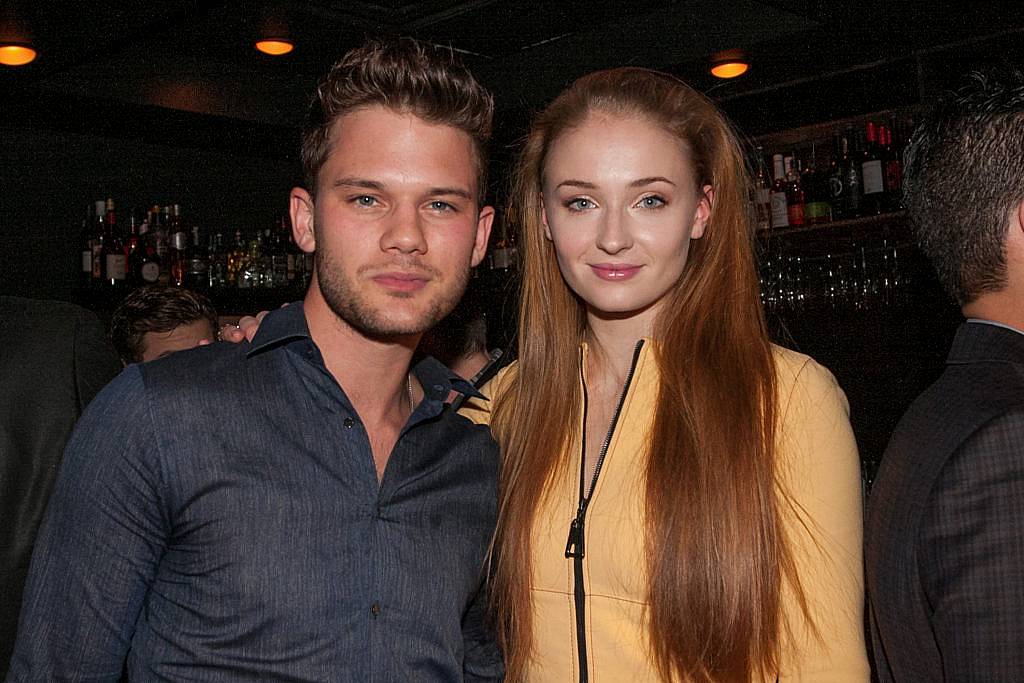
1004 307
373 372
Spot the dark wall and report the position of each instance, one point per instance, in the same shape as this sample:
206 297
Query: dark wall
49 177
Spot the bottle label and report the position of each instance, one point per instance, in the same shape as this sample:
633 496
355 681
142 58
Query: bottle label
780 216
873 179
150 271
818 212
795 214
115 266
97 262
87 261
501 259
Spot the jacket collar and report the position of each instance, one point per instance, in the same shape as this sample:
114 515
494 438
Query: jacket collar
978 341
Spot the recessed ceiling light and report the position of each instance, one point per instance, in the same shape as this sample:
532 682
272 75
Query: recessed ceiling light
275 47
13 54
729 64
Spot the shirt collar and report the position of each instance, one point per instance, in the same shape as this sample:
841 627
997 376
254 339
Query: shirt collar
284 324
289 323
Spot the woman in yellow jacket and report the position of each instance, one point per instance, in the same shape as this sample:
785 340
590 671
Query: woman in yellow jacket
680 498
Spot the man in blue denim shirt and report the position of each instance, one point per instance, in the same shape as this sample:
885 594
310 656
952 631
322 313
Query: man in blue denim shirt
304 508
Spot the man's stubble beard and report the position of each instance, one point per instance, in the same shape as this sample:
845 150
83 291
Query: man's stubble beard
345 301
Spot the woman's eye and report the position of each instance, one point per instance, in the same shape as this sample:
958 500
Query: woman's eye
652 202
579 204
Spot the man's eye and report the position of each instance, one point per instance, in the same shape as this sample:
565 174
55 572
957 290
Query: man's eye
579 204
438 205
365 200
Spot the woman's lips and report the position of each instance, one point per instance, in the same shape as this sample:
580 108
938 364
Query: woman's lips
615 272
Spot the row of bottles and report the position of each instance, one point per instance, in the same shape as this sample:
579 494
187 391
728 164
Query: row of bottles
159 247
862 176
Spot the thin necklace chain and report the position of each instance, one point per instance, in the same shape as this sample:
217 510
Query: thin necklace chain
408 386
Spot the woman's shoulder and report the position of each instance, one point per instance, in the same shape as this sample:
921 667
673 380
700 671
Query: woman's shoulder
478 409
799 379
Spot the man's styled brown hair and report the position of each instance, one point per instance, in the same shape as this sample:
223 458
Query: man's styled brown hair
403 75
964 173
155 309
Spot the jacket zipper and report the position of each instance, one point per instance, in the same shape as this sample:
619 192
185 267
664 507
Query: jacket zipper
574 547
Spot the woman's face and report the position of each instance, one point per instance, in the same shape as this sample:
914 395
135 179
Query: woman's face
620 205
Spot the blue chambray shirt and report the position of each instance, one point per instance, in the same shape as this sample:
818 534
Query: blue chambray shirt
218 517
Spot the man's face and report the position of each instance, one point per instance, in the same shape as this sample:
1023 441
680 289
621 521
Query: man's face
395 223
159 344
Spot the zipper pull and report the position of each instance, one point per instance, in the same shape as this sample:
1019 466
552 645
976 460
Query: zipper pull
574 546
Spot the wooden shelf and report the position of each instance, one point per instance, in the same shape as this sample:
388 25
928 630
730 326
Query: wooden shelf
849 224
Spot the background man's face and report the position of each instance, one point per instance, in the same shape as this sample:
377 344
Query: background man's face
159 344
395 220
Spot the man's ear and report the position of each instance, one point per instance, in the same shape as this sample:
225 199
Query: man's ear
484 222
301 210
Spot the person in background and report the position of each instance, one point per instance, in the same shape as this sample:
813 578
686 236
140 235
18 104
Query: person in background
154 321
304 507
680 499
945 524
55 358
460 343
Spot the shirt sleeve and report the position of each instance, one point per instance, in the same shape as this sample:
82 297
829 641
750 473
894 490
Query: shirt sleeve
971 554
98 547
823 521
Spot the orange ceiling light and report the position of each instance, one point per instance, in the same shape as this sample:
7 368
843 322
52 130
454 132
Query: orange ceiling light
274 47
16 54
729 64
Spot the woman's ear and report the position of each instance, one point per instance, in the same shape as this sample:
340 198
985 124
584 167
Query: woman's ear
703 212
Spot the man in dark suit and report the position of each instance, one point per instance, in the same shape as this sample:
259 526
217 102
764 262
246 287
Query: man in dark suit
945 527
55 357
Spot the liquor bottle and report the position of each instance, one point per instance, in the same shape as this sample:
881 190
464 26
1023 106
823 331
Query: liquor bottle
217 260
836 186
236 260
196 275
851 177
99 252
90 237
762 194
504 253
893 169
134 249
115 261
179 257
179 246
795 197
872 176
817 208
149 267
279 256
777 196
158 227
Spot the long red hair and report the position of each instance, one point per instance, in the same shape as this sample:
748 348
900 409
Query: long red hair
718 553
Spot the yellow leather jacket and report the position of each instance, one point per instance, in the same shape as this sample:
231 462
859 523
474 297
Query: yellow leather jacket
821 473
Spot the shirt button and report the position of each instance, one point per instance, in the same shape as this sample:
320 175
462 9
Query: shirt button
348 422
375 609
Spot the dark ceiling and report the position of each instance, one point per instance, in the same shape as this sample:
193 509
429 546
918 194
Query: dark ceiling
144 58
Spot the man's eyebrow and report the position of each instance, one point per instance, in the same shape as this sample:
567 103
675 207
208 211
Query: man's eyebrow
451 192
367 184
363 183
